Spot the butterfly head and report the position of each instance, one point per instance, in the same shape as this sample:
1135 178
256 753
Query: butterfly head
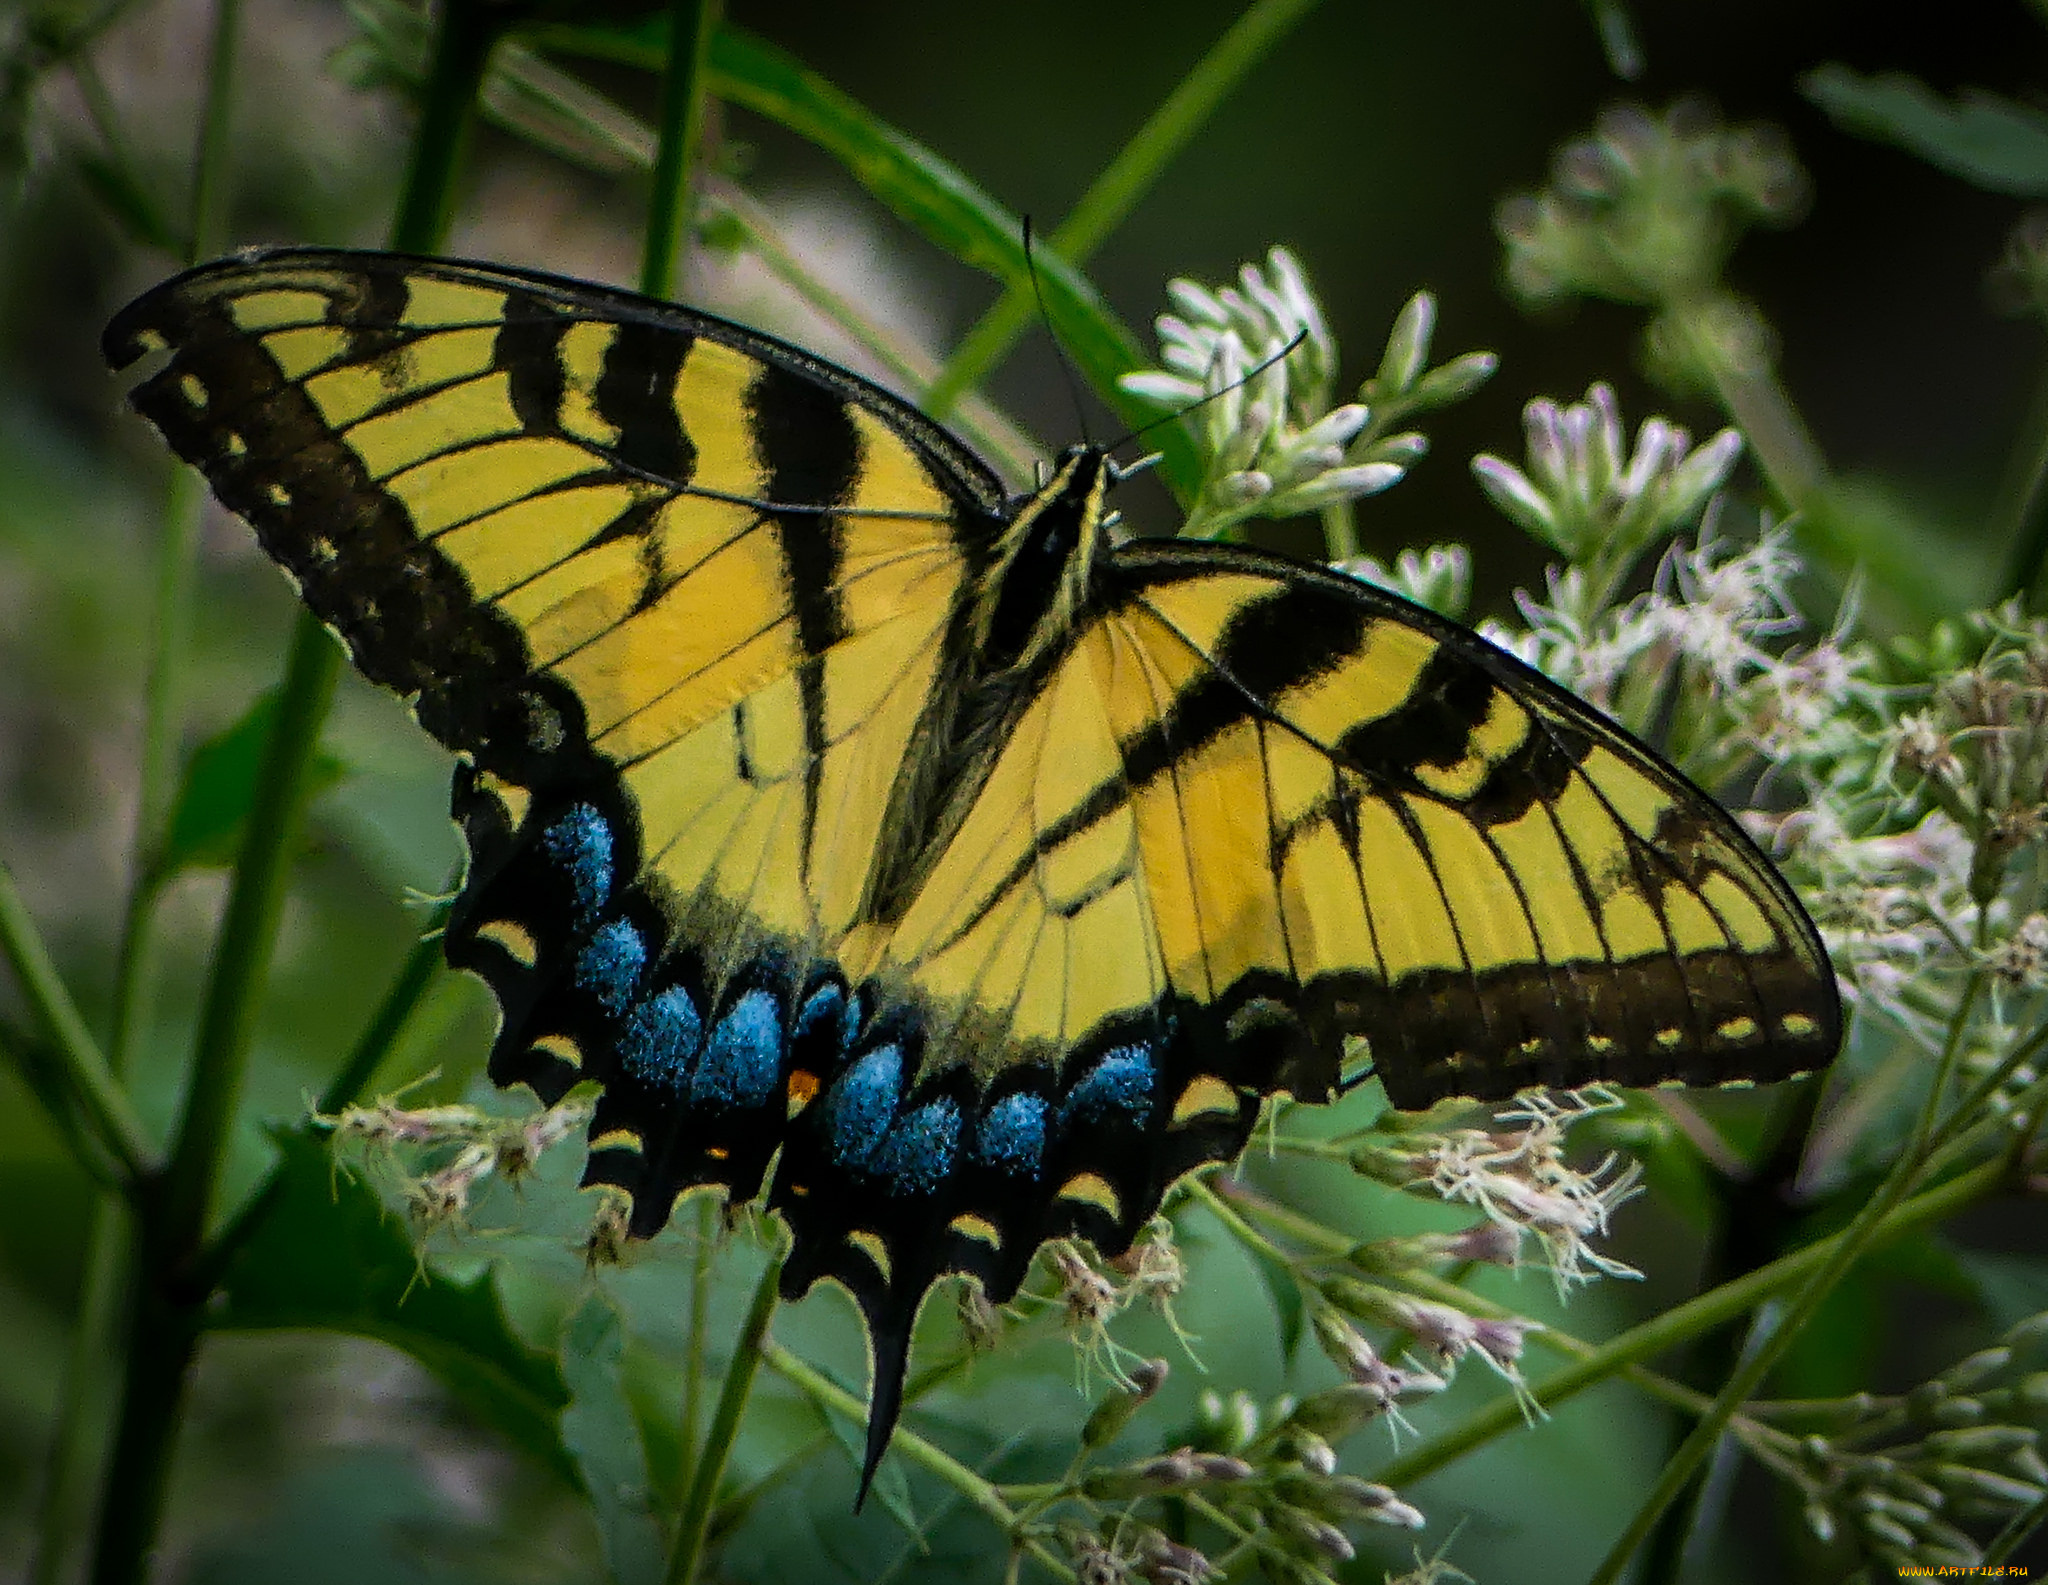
1044 567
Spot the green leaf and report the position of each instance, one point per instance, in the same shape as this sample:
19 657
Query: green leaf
2010 1287
220 785
328 1258
554 110
1990 141
601 1434
129 204
1287 1302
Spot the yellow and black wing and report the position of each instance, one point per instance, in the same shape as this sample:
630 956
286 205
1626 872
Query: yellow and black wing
679 595
1256 807
823 801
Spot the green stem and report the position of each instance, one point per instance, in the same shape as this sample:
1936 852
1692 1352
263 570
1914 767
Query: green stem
747 1354
163 1334
735 1508
210 160
89 1084
1848 1246
1682 1323
463 40
833 1398
1126 179
693 1346
1757 404
691 24
93 1342
2022 523
1340 532
163 697
248 936
400 1001
165 1323
176 571
86 1394
166 1302
994 435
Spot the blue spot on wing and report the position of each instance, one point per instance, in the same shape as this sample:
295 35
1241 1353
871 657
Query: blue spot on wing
858 1110
918 1153
609 965
1118 1088
830 1013
743 1058
581 843
1012 1134
660 1039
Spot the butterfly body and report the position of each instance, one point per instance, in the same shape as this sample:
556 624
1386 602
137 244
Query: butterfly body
833 808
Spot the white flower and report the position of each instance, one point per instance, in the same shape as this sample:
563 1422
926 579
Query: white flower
1253 366
1521 1179
1590 495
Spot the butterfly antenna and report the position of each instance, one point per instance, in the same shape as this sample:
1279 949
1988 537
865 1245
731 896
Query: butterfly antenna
1060 352
1237 384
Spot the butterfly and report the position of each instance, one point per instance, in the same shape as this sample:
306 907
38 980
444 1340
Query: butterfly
830 806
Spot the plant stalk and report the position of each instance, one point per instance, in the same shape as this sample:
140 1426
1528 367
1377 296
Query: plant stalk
1844 1250
684 113
167 1304
91 1085
833 1398
83 1394
695 1523
1678 1325
1123 182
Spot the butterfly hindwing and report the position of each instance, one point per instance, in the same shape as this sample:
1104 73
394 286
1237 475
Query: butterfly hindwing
1255 808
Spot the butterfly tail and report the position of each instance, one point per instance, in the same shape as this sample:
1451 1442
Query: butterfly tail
889 1331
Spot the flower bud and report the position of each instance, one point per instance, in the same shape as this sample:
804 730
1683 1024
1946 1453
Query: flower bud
1118 1405
1981 1443
1963 1480
1318 1533
1509 489
1336 1412
1407 347
1453 382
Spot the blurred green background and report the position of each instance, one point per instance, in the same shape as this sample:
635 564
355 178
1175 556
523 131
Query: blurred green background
1375 142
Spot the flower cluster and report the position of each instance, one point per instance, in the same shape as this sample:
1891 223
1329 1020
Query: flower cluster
1439 577
456 1149
1920 848
1645 212
1254 367
1092 1293
1899 1478
1647 208
1263 1477
1591 496
1519 1177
